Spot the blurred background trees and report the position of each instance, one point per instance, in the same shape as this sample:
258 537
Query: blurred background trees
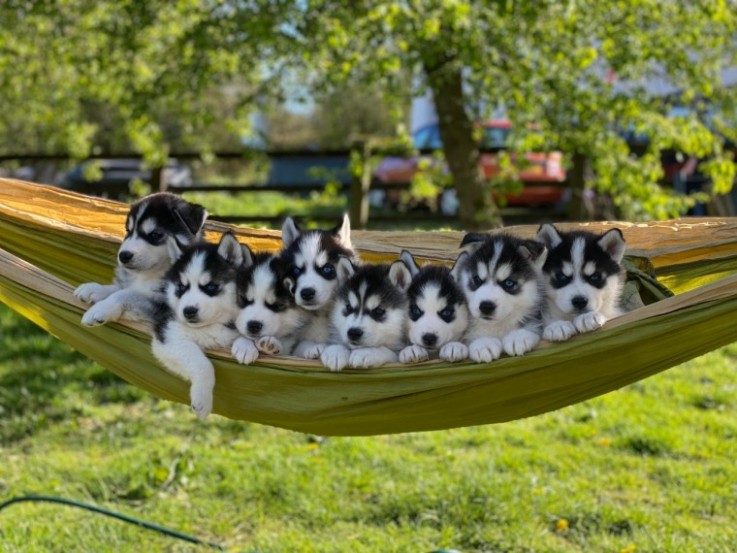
583 77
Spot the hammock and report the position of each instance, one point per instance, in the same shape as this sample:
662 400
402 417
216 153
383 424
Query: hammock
51 240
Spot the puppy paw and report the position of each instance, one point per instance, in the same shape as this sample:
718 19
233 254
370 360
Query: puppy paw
201 401
454 352
559 331
268 345
101 313
587 322
244 350
520 341
413 354
484 350
91 292
364 358
335 357
314 352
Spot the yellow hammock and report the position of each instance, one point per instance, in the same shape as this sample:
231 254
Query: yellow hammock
52 240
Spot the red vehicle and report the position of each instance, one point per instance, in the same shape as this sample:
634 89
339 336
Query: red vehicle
539 175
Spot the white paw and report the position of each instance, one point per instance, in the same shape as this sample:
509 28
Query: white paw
559 331
244 350
413 354
484 350
335 357
364 358
91 292
589 321
454 352
101 313
520 341
201 400
268 345
314 352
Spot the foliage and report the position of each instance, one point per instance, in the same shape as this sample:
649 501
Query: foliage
649 468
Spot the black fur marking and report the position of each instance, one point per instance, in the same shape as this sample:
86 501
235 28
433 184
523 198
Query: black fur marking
172 214
521 268
378 285
435 274
279 268
593 252
328 243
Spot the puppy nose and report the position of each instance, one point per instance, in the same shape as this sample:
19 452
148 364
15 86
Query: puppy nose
307 294
254 327
354 334
125 256
190 312
579 302
429 339
487 307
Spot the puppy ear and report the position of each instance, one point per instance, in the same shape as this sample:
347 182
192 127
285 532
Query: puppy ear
345 268
534 252
247 256
343 233
290 284
173 249
230 249
408 260
289 232
400 276
192 217
455 271
473 240
612 242
548 235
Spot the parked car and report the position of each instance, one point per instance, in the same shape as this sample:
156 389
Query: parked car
117 175
539 174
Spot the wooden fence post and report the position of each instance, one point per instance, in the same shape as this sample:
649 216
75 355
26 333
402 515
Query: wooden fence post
158 179
360 188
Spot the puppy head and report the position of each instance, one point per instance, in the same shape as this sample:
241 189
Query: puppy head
149 224
583 270
267 307
499 276
371 307
312 258
437 308
200 286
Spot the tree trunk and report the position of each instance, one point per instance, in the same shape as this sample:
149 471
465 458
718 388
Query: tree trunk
477 210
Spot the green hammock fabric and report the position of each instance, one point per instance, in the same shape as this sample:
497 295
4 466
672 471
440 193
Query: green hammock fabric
53 240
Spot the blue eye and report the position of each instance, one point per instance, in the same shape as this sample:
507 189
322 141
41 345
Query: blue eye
509 284
595 278
378 313
211 288
296 271
180 289
328 270
447 314
415 312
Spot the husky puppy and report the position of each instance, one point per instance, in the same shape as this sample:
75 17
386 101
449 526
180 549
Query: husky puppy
312 260
268 313
142 258
501 280
438 314
199 313
583 280
369 317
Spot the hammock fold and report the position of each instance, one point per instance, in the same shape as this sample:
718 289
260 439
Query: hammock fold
52 240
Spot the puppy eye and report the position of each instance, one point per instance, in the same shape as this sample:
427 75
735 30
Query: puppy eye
595 278
244 301
415 312
561 278
276 307
447 314
296 271
180 289
509 284
328 270
348 309
211 288
477 281
156 235
377 313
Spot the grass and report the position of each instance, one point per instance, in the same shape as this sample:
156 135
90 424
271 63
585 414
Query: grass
647 468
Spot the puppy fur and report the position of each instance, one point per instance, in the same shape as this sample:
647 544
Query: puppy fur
143 259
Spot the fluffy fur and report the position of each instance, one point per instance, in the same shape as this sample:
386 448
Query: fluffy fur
500 279
583 280
199 313
438 314
142 258
268 314
369 317
311 258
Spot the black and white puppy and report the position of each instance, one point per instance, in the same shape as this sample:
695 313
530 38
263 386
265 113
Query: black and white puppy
199 313
583 280
142 258
501 280
369 317
269 316
438 314
312 259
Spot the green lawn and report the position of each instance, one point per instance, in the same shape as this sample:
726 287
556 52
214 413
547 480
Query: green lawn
649 468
